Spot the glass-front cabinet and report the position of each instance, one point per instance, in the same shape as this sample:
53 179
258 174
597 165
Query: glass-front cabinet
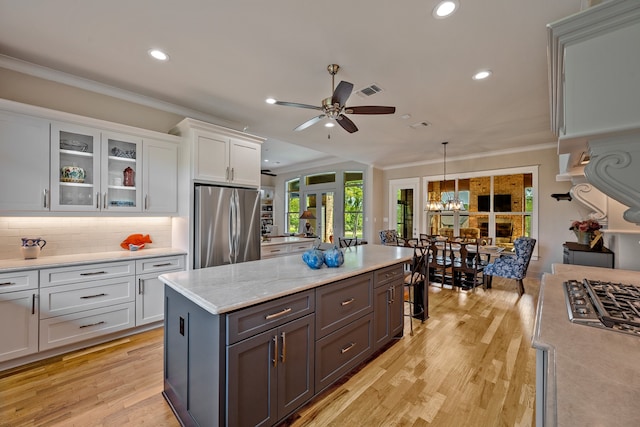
122 156
93 170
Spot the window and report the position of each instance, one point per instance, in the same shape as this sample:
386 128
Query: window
500 205
293 205
353 204
322 178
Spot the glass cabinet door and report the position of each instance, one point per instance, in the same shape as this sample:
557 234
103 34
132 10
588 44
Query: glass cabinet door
75 168
121 172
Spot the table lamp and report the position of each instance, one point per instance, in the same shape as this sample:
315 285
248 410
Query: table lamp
307 215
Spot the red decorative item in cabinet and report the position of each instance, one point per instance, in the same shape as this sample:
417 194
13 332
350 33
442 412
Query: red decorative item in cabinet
129 177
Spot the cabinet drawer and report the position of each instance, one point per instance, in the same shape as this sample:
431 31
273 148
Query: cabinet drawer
273 250
253 320
67 299
161 264
387 275
341 302
18 281
300 247
83 273
338 353
63 330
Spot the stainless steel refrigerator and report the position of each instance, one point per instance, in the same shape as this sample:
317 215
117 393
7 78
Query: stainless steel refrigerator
227 225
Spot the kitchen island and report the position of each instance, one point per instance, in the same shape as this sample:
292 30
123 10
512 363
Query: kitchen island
585 376
250 343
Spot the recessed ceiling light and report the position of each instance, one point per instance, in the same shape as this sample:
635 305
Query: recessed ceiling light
329 125
270 101
481 75
266 160
445 9
405 116
159 55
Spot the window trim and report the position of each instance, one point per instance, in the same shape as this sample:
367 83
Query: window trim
533 170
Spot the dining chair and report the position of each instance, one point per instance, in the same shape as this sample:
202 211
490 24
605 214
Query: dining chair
466 265
415 289
438 263
512 267
389 237
347 242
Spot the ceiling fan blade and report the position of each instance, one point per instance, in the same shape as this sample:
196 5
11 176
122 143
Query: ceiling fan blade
310 122
342 93
370 109
295 104
347 124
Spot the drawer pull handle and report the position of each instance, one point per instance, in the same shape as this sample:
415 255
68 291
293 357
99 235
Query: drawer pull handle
93 273
93 296
278 314
92 324
164 264
275 250
283 357
347 302
347 348
7 283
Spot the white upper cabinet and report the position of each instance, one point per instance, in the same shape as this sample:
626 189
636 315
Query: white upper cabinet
221 155
59 162
121 178
75 168
24 163
244 163
160 171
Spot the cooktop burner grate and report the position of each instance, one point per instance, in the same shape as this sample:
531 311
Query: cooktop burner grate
609 305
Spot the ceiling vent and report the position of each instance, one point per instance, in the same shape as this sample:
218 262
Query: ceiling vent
420 125
372 89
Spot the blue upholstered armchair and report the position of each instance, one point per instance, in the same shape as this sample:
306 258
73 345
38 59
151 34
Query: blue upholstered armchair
389 237
512 267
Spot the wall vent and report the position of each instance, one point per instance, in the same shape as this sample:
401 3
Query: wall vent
372 89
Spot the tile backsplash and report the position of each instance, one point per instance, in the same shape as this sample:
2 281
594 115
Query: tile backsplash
72 235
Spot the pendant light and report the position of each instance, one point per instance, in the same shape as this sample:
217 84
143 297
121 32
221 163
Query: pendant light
452 203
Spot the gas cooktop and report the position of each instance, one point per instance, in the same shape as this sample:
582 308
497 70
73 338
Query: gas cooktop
608 305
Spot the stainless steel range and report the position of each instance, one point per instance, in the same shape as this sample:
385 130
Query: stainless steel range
608 305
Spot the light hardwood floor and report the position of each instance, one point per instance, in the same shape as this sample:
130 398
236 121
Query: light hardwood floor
470 364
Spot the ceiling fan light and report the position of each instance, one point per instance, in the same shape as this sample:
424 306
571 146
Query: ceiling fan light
270 101
445 9
329 124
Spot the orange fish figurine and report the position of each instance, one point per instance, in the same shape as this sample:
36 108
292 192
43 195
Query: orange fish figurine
135 239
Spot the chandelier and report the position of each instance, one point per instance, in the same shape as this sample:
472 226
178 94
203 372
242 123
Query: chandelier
452 203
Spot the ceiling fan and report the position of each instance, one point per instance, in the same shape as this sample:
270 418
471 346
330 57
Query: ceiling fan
334 106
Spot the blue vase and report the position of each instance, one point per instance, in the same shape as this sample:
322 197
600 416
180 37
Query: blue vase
334 257
314 258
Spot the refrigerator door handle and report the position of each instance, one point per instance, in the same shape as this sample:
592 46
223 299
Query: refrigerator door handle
232 227
237 226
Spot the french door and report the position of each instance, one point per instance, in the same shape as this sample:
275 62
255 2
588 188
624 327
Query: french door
322 206
403 207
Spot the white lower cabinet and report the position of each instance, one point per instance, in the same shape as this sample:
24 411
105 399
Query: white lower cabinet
18 314
85 301
150 290
51 308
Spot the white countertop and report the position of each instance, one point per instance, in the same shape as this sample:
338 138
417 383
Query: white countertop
230 287
288 240
8 265
594 374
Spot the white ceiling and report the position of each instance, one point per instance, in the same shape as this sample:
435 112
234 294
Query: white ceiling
228 56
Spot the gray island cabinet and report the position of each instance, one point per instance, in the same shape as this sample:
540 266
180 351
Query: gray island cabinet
249 344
